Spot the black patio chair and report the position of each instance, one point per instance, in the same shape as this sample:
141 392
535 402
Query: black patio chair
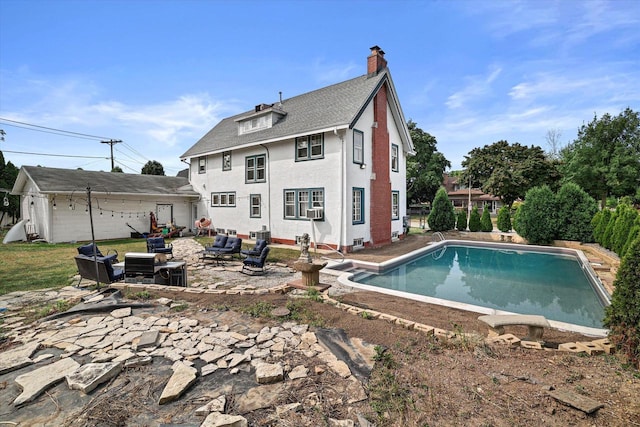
157 245
255 265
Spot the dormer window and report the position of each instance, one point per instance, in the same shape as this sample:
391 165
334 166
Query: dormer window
255 124
265 116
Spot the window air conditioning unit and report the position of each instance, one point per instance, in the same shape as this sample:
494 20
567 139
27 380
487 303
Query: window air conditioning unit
314 213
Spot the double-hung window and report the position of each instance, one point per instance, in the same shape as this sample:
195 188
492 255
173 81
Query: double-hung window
357 211
310 147
358 147
255 210
297 201
395 205
255 168
202 165
394 158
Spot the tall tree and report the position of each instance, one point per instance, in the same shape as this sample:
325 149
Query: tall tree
605 157
425 169
508 171
153 167
8 175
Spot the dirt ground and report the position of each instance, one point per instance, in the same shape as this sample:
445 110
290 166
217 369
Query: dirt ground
424 381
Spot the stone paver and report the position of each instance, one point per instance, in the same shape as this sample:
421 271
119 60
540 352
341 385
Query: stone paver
183 377
35 382
87 377
17 358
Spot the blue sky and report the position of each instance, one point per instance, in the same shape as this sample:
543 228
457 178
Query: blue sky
159 74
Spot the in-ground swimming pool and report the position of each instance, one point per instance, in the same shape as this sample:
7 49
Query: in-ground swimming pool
552 282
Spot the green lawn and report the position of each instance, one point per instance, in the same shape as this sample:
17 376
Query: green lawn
28 266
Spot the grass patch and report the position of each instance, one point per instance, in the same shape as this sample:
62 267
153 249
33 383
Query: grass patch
389 398
30 266
142 295
258 309
179 307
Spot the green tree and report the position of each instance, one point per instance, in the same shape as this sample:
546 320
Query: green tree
8 175
117 169
485 221
508 171
600 225
504 219
634 234
442 216
624 222
622 317
475 223
152 167
575 211
536 217
605 157
461 221
425 168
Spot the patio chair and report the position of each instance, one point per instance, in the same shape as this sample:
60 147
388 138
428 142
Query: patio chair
211 251
256 250
106 273
233 246
157 245
87 250
255 265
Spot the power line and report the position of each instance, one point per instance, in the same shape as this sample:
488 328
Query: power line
54 155
52 130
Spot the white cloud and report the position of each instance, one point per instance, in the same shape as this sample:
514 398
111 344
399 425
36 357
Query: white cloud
476 87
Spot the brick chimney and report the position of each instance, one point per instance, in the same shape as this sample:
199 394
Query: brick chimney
376 61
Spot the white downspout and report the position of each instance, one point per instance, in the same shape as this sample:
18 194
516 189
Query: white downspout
342 238
268 165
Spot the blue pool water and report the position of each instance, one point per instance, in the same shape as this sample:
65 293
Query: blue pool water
552 285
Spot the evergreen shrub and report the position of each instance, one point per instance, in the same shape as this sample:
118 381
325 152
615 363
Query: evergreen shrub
575 210
442 216
461 223
474 220
485 221
622 317
504 219
536 219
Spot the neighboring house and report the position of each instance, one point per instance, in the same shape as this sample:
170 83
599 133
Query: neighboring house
54 202
460 195
336 154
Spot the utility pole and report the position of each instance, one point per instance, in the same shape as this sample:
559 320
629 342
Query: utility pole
111 142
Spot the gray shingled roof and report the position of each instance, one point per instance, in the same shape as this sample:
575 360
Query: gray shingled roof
336 105
55 180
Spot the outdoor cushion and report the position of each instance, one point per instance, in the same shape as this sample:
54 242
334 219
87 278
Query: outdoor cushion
87 250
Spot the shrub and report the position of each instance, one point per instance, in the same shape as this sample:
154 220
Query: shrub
601 226
607 235
622 227
622 317
474 220
442 216
485 221
504 219
634 233
461 223
575 210
536 217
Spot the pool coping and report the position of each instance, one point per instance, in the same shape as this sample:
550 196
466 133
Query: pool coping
344 277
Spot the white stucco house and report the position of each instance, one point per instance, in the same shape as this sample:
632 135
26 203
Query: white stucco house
54 202
330 163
